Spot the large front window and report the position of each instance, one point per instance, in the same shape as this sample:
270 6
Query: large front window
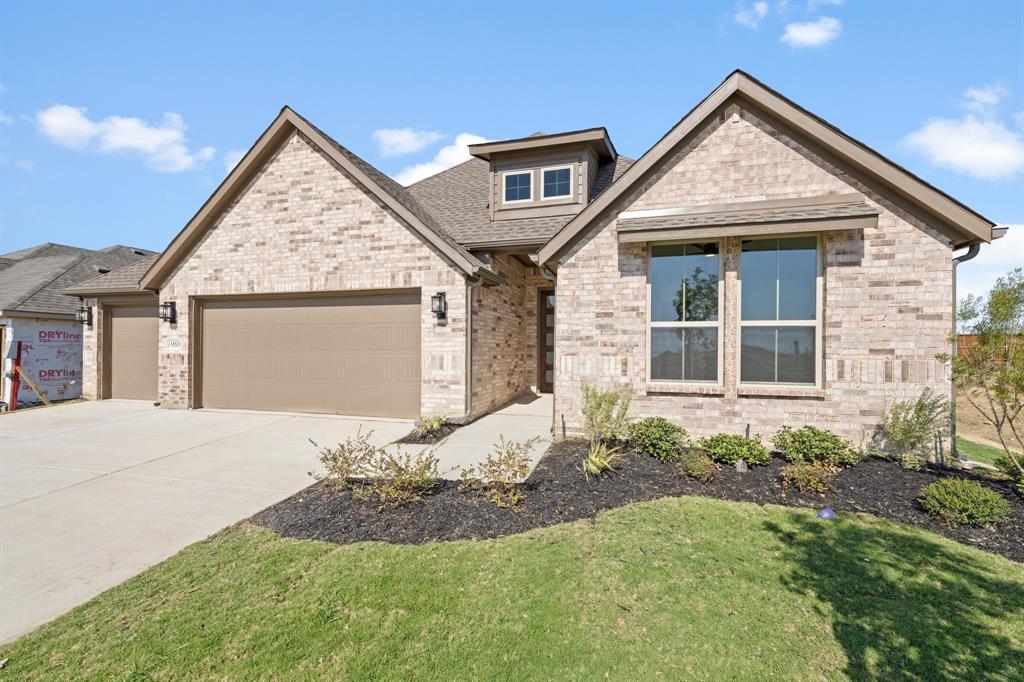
684 318
779 321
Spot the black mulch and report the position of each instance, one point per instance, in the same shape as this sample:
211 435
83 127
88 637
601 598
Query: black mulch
557 492
436 437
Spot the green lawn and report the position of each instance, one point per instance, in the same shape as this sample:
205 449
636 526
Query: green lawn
678 588
979 452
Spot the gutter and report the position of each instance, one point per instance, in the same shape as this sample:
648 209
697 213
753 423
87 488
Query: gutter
972 252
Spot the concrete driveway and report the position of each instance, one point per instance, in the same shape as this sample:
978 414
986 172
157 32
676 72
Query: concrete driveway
92 493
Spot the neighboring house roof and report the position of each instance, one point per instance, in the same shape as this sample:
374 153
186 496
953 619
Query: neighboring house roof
963 225
393 195
32 279
123 279
459 198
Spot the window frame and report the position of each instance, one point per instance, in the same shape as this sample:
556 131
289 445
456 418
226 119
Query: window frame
817 323
564 197
718 324
504 185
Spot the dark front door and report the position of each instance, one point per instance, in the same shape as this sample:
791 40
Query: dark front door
546 341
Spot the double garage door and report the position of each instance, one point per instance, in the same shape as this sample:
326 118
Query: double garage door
357 355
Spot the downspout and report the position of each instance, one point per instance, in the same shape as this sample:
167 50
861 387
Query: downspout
972 251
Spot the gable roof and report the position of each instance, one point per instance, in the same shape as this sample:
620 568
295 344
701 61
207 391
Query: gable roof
32 280
967 225
459 199
397 198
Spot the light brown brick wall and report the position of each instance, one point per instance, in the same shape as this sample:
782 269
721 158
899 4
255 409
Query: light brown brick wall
91 358
887 295
505 335
302 225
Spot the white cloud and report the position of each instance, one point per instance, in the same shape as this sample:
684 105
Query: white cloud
231 159
751 16
977 275
27 165
1018 118
812 33
399 141
978 144
983 99
446 157
3 88
813 5
5 119
162 145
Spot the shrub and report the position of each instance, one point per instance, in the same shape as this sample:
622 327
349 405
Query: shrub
910 425
430 426
807 478
816 446
958 501
502 473
599 459
351 459
605 414
392 477
659 437
697 465
403 478
911 460
729 449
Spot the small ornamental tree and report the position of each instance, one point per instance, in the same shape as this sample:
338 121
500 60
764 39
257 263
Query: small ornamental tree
989 373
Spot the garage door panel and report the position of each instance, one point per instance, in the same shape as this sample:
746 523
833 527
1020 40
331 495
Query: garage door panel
355 355
134 336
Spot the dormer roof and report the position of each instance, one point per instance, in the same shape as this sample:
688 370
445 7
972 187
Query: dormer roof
597 138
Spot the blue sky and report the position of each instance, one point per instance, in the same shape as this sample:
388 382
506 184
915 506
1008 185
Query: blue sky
118 120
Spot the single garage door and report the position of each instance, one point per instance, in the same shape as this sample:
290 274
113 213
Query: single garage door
133 335
357 355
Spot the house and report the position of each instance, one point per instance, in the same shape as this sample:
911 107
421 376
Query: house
756 267
33 311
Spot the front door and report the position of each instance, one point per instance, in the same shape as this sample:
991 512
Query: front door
546 341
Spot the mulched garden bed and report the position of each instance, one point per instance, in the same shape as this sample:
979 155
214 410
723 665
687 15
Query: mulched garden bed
557 492
436 437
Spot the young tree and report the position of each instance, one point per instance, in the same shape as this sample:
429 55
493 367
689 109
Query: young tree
989 373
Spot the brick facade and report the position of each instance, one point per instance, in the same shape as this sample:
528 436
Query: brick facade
302 225
505 335
887 295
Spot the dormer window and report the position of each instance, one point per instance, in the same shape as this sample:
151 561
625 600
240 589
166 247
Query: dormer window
518 187
557 182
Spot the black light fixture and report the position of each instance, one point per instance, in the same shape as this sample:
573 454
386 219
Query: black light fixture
84 315
439 306
168 312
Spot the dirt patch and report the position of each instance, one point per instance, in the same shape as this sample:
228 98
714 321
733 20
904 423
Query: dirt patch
433 439
557 492
974 427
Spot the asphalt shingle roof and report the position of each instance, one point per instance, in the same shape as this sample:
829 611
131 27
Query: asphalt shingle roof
33 279
458 198
126 277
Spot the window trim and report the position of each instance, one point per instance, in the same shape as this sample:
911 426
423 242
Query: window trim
719 324
818 323
504 181
564 197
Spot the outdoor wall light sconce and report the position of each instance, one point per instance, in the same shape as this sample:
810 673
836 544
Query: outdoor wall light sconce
84 315
439 306
168 312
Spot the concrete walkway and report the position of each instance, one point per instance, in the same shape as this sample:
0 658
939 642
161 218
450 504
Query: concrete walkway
527 417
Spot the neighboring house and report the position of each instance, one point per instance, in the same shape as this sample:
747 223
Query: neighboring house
755 267
33 312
